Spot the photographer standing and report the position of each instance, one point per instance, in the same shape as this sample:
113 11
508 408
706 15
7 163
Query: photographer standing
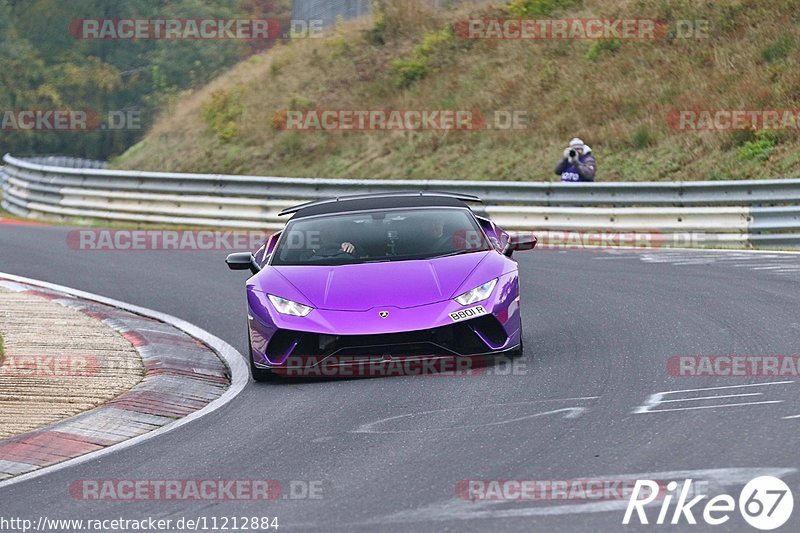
578 163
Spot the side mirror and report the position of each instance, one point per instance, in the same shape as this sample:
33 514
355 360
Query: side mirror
243 261
519 241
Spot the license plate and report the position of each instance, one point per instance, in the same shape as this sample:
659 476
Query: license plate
466 314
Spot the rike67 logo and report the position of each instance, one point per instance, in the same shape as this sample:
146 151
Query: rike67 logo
765 503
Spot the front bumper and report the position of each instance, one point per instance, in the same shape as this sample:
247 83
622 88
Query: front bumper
342 338
348 366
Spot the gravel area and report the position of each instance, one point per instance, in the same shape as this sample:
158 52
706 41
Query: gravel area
58 362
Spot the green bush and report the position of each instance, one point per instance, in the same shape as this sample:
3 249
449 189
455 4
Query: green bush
409 70
736 139
291 145
297 101
432 40
777 50
275 68
603 46
339 47
642 138
758 149
415 67
539 8
377 34
222 113
718 176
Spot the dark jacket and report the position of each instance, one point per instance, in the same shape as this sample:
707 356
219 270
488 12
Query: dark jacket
583 171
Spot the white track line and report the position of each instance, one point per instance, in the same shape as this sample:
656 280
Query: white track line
713 397
721 479
712 406
731 387
240 374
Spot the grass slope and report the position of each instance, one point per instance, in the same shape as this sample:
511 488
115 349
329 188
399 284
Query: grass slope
616 95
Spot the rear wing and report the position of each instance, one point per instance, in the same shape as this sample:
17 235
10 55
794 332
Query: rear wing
457 196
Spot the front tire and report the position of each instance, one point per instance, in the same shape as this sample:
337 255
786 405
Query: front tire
518 352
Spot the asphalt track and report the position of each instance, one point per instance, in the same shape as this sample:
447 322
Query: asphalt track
599 328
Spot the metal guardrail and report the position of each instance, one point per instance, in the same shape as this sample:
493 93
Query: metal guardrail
66 161
763 213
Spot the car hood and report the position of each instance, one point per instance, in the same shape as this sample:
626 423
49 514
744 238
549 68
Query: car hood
401 284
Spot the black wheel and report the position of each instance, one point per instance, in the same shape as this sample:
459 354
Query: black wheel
518 352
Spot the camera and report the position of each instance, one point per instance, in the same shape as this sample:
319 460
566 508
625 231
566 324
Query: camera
573 153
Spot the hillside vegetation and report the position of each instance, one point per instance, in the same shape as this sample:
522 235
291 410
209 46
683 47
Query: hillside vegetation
615 94
44 66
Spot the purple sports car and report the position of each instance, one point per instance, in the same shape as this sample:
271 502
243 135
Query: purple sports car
357 282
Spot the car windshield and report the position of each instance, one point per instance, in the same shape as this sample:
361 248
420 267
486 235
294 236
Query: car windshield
380 236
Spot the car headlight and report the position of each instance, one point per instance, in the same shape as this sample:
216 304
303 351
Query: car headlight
477 294
288 307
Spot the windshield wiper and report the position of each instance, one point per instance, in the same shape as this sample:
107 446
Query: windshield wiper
458 252
391 259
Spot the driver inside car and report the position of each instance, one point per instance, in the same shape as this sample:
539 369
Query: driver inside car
433 232
331 244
